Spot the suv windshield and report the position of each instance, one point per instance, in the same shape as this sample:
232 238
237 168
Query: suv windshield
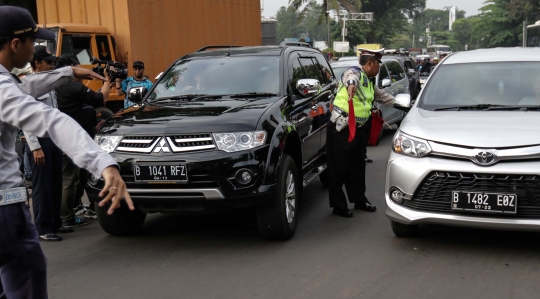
219 76
483 85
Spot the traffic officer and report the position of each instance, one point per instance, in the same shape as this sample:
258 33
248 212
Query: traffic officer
345 141
22 262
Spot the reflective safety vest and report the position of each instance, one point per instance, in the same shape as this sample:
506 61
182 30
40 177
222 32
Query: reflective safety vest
362 101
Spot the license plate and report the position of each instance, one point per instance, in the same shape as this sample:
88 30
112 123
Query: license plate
484 202
160 173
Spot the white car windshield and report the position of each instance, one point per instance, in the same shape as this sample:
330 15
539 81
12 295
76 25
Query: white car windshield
483 84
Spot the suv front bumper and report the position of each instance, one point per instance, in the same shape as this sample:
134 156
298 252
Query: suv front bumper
211 181
411 175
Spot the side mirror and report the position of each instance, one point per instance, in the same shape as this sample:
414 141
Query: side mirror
159 76
136 94
403 101
308 87
386 83
411 72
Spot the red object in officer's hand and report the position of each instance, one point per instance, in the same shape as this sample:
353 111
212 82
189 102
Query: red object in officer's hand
352 121
376 127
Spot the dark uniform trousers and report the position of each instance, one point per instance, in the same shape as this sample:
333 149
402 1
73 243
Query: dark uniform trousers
23 269
47 187
346 166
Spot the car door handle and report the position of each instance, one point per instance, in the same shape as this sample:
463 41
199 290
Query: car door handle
299 120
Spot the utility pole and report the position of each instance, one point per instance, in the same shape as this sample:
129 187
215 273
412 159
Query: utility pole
355 16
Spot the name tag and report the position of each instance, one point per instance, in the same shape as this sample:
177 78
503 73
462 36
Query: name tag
10 196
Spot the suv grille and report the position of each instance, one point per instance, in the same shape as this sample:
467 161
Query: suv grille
175 144
434 193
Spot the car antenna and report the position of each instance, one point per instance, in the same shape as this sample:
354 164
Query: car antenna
229 51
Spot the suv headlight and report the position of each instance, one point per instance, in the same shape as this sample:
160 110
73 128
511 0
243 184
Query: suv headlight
234 142
410 146
108 142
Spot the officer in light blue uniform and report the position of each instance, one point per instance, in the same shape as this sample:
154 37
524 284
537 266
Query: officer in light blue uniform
23 272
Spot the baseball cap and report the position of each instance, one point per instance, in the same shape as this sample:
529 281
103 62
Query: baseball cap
18 22
43 53
376 53
138 64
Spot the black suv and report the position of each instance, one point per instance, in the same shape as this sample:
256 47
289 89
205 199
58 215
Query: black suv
223 128
409 65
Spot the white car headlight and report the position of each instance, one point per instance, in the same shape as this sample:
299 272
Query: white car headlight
410 146
234 142
108 142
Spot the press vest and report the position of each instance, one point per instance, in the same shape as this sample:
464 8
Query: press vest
362 101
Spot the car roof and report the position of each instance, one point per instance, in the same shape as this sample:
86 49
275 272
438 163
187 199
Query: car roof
349 63
234 51
515 54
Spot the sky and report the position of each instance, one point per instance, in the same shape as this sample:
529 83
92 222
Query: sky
470 6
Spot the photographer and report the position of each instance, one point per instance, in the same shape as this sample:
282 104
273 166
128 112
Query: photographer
136 81
77 101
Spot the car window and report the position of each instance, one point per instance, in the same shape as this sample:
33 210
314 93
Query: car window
383 73
312 69
297 71
79 46
395 71
496 83
104 50
409 65
217 76
325 67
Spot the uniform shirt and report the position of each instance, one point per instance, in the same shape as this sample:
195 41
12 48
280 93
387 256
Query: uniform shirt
48 99
79 101
352 76
19 109
130 83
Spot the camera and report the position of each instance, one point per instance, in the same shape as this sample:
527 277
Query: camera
120 70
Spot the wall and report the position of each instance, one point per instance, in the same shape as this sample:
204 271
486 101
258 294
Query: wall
164 30
159 32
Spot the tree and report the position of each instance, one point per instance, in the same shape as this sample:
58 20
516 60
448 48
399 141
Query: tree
349 5
287 25
495 27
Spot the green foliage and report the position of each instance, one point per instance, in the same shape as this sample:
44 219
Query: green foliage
495 27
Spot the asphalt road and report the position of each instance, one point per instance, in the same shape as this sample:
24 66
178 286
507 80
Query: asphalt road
329 257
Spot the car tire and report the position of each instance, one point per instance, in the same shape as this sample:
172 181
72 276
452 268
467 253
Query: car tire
122 222
404 230
277 219
323 177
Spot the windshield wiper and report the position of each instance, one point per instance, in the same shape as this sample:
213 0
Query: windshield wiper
180 97
471 107
523 108
252 95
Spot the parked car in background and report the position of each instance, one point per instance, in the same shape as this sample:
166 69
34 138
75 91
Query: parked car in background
392 78
468 153
409 65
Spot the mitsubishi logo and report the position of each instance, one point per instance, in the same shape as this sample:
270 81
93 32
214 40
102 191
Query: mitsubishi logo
162 146
485 158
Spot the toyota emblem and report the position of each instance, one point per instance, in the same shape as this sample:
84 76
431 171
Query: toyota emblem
485 158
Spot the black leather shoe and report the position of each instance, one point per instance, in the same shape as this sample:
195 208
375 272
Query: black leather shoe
368 160
365 207
64 230
343 212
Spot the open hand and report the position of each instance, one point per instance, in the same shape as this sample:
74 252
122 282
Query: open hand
115 189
